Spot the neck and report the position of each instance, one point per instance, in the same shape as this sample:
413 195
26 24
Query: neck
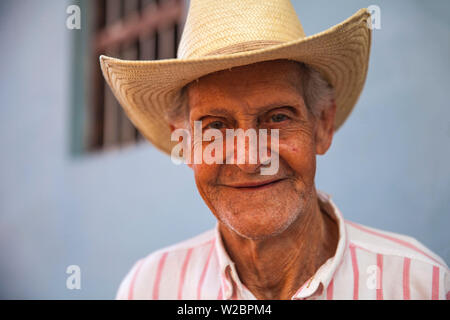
275 267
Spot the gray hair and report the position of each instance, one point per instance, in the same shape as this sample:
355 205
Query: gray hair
317 94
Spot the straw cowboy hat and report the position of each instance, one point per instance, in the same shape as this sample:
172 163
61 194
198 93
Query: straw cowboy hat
221 34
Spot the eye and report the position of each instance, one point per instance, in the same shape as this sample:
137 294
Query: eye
279 117
216 125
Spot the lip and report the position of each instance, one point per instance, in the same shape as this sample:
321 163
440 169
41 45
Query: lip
254 185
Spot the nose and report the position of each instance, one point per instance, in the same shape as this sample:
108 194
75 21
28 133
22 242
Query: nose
246 151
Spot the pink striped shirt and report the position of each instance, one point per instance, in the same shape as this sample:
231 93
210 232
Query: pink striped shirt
368 264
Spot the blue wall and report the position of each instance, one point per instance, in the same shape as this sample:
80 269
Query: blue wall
388 166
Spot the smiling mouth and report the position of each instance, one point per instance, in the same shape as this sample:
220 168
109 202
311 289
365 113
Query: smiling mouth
255 185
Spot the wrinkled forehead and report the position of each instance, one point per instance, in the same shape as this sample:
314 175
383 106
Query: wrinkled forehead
269 79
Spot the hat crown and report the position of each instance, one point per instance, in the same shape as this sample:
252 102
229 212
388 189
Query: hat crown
229 26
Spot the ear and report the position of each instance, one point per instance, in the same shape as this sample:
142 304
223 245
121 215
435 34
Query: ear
325 128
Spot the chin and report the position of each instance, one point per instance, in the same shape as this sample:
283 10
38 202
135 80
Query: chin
262 214
261 225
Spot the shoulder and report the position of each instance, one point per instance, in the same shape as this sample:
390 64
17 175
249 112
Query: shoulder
390 243
402 260
159 268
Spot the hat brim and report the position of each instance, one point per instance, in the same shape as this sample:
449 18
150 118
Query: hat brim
145 88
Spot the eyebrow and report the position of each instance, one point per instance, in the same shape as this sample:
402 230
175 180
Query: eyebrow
217 112
223 112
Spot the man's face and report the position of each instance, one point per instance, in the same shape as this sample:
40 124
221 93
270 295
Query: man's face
259 96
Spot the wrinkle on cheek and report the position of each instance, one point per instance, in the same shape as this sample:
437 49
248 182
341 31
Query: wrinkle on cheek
305 129
295 145
299 134
208 193
299 155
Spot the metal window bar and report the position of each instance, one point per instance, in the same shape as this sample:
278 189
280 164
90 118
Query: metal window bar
128 29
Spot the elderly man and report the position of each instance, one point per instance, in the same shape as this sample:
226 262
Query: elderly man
276 237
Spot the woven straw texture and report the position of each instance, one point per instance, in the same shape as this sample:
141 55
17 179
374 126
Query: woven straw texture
219 35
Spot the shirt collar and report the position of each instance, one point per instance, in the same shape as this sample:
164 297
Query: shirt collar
320 280
228 274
